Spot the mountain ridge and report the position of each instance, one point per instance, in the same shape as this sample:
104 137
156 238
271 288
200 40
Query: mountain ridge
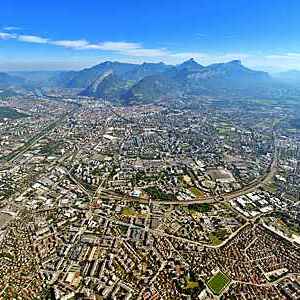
129 83
151 81
7 80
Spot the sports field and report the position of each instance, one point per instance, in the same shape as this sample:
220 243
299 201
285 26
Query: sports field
218 282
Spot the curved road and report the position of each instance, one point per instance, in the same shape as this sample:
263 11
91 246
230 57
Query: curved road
211 199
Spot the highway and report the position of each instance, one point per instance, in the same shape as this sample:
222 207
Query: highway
212 199
14 155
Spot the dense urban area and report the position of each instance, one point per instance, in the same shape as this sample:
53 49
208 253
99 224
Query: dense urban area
150 150
194 198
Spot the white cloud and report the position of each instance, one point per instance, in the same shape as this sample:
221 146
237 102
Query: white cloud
124 48
105 46
32 39
117 46
76 44
6 36
11 28
293 54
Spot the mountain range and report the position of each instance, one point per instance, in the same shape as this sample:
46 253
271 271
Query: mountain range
151 82
291 77
7 80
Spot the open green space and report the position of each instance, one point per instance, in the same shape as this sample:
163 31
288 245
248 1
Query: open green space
6 255
157 193
218 282
202 208
51 148
10 113
196 192
214 239
218 236
130 212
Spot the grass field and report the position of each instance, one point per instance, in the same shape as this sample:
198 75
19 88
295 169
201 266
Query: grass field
214 239
218 282
198 193
130 212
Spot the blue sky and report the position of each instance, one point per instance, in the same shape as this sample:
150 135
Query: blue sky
65 34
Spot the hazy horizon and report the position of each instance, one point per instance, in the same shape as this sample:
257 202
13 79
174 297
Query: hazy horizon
64 69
